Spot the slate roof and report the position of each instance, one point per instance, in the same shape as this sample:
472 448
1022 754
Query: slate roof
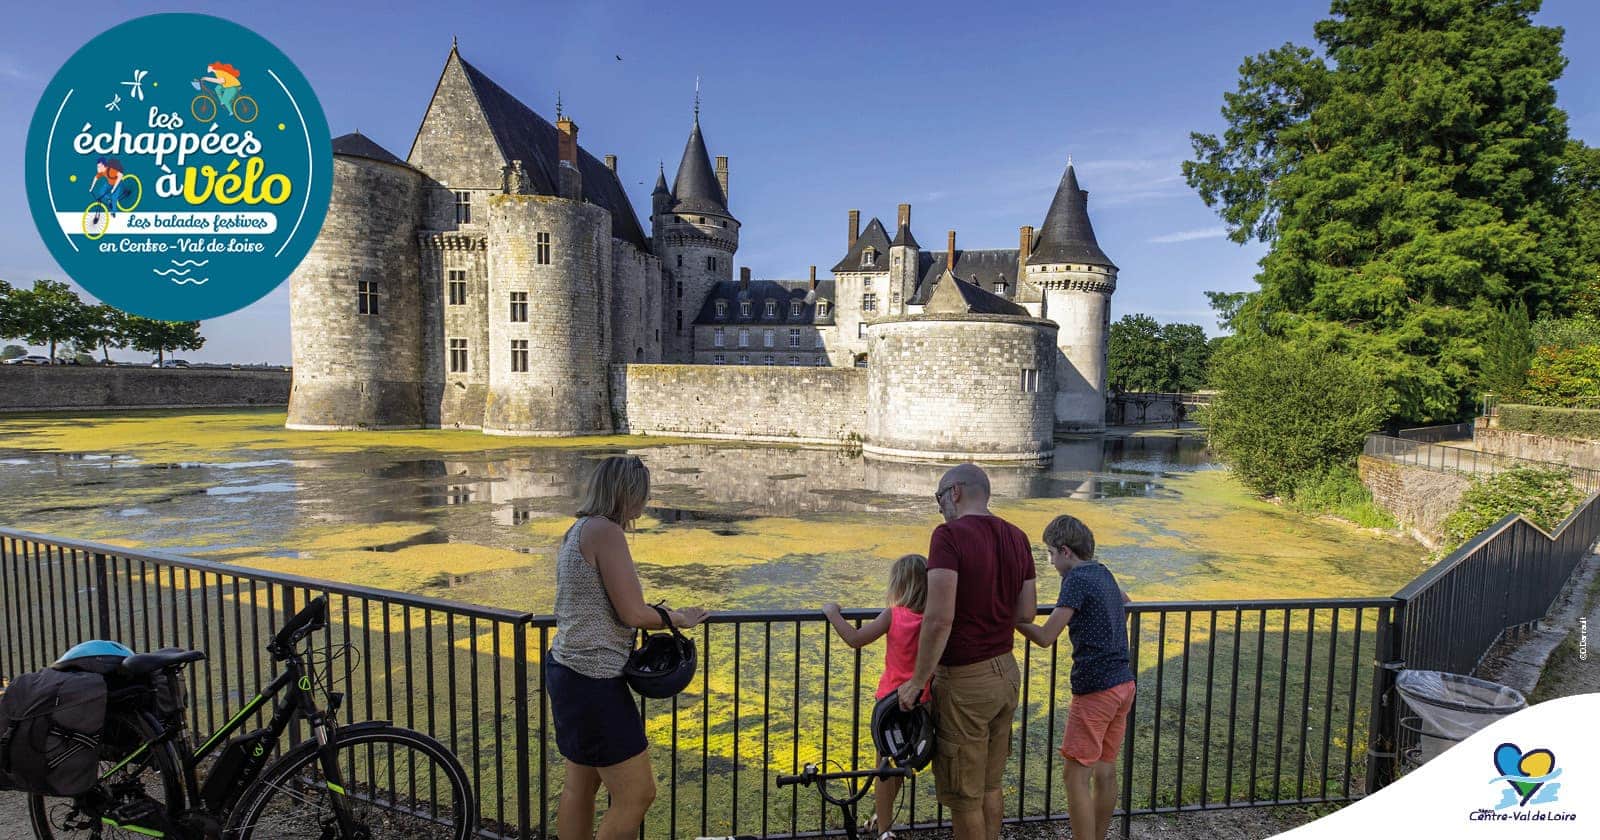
875 236
696 189
761 291
985 267
356 144
1066 235
524 135
903 237
967 298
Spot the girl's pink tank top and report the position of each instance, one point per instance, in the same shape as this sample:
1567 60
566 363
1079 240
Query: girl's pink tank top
900 652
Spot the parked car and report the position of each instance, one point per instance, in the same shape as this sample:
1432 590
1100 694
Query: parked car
29 360
170 363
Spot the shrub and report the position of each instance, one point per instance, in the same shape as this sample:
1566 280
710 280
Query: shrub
1543 496
1339 491
1287 414
1563 376
1555 422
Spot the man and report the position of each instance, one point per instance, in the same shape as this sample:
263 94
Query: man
980 585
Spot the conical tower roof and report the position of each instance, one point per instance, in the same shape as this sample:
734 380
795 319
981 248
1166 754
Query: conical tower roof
696 189
661 182
1066 235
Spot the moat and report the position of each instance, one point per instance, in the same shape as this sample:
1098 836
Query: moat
731 526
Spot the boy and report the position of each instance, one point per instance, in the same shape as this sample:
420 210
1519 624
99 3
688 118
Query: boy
1091 605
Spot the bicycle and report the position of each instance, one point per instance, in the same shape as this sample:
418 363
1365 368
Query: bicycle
97 216
344 782
813 775
205 106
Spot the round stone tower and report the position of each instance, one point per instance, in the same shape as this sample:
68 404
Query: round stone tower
1077 279
548 292
962 382
355 301
695 237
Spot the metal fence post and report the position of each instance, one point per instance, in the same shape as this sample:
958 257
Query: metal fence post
1383 742
102 598
519 670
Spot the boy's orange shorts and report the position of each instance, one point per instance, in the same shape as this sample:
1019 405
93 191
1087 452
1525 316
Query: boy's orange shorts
1096 723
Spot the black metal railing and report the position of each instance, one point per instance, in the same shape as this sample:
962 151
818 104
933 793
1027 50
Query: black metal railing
1468 461
1435 434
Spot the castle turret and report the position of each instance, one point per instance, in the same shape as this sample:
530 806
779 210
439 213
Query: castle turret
696 237
1077 279
904 253
355 301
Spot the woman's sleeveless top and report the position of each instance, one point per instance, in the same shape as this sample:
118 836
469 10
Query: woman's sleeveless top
590 639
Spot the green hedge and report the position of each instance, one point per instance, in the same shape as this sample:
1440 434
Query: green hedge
1556 422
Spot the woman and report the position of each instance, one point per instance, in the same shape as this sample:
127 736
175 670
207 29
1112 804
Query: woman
599 604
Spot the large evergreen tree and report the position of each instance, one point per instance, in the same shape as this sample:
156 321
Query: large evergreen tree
1407 180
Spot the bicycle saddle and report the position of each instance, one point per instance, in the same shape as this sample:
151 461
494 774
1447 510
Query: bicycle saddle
145 664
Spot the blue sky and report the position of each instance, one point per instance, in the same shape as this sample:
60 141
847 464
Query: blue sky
967 111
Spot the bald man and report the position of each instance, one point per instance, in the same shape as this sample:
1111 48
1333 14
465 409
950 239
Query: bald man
980 584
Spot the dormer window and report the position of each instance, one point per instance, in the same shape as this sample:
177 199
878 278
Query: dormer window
794 308
1000 287
822 308
771 309
744 309
722 309
869 258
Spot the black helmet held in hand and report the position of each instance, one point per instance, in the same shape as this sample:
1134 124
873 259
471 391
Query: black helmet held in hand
663 664
905 737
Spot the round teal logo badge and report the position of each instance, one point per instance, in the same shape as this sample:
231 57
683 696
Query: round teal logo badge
179 166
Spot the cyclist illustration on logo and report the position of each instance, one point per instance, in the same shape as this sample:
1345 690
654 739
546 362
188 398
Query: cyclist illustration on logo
223 89
121 191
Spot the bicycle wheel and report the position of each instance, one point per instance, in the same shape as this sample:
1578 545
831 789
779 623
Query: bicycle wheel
96 219
245 110
204 108
150 784
132 190
397 783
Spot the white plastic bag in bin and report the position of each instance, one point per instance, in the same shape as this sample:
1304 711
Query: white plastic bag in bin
1453 706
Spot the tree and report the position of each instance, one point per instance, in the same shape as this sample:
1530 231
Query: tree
103 327
12 351
1407 181
1134 357
49 314
1507 350
1188 356
10 317
1287 415
152 336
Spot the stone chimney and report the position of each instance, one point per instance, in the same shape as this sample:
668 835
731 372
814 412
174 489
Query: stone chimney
1024 247
950 252
813 278
611 163
855 228
905 217
722 175
744 278
567 151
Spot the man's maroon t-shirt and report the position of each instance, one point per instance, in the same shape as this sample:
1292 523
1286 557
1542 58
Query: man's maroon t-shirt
991 558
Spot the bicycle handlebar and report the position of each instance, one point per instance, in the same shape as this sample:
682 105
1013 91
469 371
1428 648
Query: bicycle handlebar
811 776
314 617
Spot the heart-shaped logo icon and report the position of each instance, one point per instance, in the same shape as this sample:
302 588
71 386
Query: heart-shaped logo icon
1526 766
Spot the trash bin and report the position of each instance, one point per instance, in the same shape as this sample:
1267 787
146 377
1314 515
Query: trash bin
1449 707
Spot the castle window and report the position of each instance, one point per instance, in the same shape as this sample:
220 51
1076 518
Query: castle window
680 290
463 207
819 339
771 309
542 248
717 338
794 360
822 309
767 360
680 321
794 338
367 297
744 309
1030 380
744 338
895 300
861 329
711 263
744 358
822 361
1000 287
794 308
869 258
722 309
458 288
519 355
719 359
766 338
519 307
701 219
680 261
458 355
866 284
869 303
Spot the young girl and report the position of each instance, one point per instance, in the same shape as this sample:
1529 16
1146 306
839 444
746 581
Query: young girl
902 621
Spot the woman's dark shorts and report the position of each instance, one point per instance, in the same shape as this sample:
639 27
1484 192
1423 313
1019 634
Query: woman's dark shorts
597 721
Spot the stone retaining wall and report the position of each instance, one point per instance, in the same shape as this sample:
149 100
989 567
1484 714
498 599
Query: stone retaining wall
62 388
1571 452
1418 497
741 402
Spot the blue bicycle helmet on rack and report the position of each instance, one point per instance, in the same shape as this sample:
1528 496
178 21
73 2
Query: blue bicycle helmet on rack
97 656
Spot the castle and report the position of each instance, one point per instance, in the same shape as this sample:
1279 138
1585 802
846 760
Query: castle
499 279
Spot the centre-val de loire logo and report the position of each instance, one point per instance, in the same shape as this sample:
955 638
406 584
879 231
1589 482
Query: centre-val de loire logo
1526 779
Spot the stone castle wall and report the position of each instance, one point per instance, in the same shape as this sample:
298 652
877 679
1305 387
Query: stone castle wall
953 387
635 305
454 399
684 247
354 370
782 404
563 391
66 387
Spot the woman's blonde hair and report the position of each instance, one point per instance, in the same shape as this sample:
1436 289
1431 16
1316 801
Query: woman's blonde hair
617 489
908 582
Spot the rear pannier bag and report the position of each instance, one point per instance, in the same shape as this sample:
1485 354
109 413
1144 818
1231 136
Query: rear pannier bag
50 725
